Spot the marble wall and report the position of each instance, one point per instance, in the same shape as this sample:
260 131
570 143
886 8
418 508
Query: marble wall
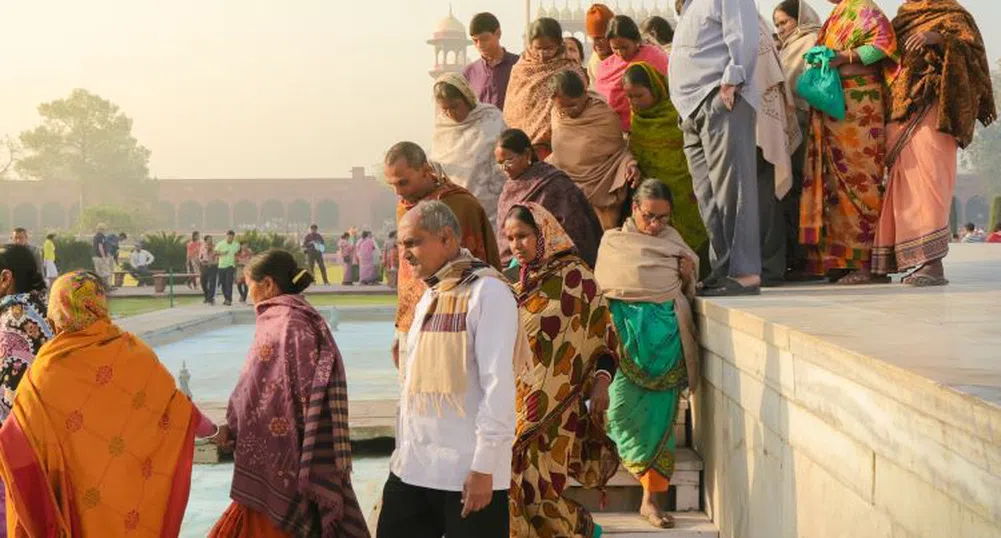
803 439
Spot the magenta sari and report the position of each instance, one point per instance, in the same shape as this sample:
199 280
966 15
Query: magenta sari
369 269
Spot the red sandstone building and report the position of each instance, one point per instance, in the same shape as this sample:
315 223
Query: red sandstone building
216 205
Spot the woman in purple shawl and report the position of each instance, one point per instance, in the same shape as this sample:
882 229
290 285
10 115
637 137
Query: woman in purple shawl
287 422
531 180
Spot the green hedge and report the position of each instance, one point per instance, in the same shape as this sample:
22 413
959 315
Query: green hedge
73 254
169 251
995 213
259 242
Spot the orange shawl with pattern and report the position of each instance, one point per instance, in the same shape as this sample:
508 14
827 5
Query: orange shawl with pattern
529 102
955 74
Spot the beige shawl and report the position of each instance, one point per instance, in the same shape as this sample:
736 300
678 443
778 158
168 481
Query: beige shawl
777 130
465 149
591 150
639 268
802 39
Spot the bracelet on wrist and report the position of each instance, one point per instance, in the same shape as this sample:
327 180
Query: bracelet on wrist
214 434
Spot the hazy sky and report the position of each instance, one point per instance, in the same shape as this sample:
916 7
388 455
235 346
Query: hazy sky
255 88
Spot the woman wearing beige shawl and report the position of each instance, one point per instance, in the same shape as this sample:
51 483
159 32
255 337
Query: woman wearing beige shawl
778 137
648 275
465 132
588 146
798 27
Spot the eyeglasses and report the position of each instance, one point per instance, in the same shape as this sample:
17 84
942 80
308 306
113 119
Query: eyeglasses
507 164
651 218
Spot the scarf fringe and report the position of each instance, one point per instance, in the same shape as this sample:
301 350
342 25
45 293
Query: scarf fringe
438 401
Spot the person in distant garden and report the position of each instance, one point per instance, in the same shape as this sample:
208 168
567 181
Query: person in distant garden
529 105
971 234
464 135
49 269
596 27
995 236
657 31
451 470
588 145
575 49
23 329
346 251
227 265
19 236
209 262
113 246
648 275
414 179
629 48
193 261
532 180
391 259
368 262
287 419
139 264
489 76
941 91
562 305
243 258
104 266
96 397
314 246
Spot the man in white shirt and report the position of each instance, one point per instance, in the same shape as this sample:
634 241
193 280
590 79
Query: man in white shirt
451 470
139 262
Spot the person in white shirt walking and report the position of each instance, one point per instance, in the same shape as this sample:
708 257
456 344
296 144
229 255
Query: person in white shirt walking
451 470
139 264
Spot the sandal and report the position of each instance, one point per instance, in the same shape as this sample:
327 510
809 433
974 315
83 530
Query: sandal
729 287
860 279
924 281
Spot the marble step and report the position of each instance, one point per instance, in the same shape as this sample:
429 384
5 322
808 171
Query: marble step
632 525
624 492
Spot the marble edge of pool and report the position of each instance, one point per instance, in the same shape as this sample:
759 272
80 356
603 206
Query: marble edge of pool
172 325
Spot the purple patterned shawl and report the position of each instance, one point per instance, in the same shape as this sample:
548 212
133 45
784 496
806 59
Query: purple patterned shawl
289 414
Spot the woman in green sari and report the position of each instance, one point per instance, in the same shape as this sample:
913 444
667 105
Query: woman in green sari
658 146
648 275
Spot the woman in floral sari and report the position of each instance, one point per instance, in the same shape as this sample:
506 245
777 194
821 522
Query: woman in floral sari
841 198
573 360
23 328
100 441
657 144
648 274
528 105
942 89
287 421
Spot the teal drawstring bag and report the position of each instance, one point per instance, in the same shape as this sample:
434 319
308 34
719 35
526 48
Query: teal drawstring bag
820 85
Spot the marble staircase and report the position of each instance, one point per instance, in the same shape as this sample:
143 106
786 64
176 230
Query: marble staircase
618 515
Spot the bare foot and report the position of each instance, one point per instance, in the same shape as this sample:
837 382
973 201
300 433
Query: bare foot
655 517
862 276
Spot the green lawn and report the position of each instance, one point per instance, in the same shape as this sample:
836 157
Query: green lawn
133 306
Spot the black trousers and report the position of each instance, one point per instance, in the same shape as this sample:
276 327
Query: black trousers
416 512
316 258
210 274
243 289
226 277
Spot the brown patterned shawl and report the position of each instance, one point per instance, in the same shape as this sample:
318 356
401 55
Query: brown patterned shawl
529 104
289 414
477 236
955 74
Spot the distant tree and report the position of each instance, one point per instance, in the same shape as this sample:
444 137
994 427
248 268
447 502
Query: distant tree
9 152
983 156
89 139
131 221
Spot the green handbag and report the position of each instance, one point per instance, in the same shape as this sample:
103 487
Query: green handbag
820 85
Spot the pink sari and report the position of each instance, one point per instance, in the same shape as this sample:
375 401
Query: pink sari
609 78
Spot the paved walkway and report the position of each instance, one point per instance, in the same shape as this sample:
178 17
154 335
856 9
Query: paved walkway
950 335
182 290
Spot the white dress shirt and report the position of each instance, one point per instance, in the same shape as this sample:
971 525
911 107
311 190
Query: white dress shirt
437 452
715 43
141 258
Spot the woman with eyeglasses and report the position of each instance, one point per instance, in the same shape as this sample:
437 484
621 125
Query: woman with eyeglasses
533 180
648 274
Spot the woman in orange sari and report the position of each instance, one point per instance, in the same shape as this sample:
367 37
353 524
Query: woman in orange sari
841 197
100 441
942 89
